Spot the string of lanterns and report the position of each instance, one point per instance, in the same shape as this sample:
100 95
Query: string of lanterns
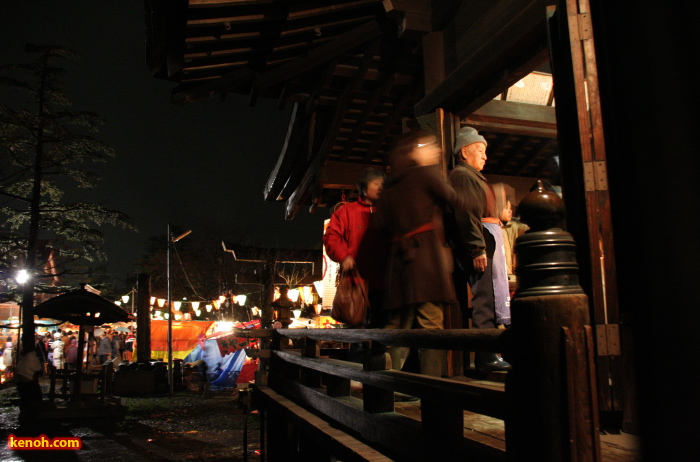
159 310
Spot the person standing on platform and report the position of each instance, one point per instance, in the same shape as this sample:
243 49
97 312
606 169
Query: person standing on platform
418 275
351 242
477 236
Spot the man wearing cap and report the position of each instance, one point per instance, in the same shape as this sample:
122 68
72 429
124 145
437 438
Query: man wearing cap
475 238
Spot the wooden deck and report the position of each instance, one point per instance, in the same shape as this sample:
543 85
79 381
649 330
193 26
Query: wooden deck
615 447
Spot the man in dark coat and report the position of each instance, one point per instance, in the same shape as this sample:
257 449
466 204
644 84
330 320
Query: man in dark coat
475 241
418 280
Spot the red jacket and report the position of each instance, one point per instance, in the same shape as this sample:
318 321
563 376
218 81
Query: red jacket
346 230
344 234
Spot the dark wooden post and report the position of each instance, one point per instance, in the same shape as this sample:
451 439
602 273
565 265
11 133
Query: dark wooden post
376 400
143 318
552 411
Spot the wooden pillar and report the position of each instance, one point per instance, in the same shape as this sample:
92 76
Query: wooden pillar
77 385
143 323
268 284
376 400
552 411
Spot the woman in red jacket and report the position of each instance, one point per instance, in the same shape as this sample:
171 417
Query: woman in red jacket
348 241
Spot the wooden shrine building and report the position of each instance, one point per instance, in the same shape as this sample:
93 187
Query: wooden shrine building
592 95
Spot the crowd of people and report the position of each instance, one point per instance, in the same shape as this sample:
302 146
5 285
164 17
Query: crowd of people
58 349
423 242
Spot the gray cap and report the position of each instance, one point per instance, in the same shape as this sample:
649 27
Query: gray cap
467 136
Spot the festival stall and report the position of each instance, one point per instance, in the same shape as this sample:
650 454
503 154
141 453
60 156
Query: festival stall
220 359
185 335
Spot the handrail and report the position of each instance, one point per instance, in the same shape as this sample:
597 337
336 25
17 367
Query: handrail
323 385
443 339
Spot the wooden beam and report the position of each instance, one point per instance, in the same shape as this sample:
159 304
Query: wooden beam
396 113
507 33
294 139
517 118
433 60
414 17
324 53
359 78
342 175
301 192
189 94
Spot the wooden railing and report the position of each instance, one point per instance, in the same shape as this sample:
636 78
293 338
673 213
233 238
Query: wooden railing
548 404
313 394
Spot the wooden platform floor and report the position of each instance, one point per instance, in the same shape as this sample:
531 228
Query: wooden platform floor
615 447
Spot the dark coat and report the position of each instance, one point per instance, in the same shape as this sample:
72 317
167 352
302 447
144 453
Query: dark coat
420 264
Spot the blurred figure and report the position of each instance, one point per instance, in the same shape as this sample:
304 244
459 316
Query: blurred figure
116 347
71 351
129 346
7 357
104 348
58 354
418 275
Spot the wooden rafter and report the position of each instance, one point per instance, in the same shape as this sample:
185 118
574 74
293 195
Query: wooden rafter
324 53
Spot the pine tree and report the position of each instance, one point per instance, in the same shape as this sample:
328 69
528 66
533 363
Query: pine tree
44 146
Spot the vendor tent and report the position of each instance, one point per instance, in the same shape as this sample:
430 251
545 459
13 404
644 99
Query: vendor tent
185 334
82 308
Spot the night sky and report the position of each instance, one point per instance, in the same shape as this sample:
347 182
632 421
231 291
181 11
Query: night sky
202 166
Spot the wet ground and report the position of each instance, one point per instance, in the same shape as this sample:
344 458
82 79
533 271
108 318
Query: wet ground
185 427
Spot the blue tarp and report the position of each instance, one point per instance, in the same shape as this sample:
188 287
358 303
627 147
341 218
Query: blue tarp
221 372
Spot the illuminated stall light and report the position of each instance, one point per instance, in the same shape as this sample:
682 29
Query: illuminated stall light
208 307
319 286
195 306
241 299
161 302
308 297
125 298
294 295
153 301
297 313
177 305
